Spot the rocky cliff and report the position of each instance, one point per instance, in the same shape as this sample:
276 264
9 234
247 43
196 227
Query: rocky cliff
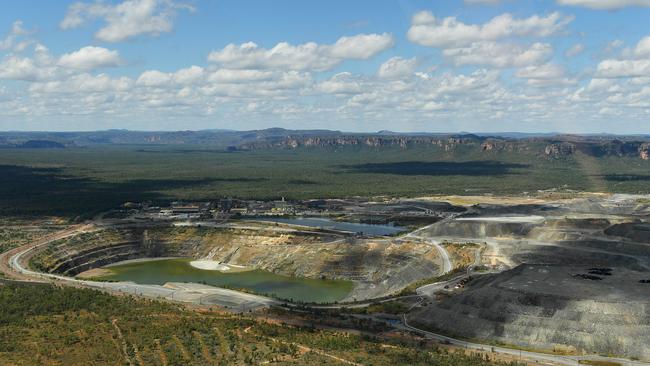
644 151
550 148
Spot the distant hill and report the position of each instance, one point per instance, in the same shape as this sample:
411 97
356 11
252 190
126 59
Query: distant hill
216 138
41 144
552 146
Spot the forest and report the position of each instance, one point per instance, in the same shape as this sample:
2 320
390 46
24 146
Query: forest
75 182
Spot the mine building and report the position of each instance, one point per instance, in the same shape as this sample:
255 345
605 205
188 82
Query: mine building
180 209
239 210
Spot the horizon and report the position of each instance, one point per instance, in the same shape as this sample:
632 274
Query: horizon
380 132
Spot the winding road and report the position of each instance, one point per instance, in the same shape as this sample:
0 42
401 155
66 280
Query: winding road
13 264
444 255
536 356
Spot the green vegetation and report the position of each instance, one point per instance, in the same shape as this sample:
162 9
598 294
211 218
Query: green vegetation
11 238
386 307
14 235
462 245
47 325
623 175
80 181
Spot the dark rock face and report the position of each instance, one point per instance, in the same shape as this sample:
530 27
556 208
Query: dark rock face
292 142
635 231
560 150
644 151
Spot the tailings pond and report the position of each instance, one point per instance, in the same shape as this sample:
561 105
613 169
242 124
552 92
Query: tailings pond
324 223
159 272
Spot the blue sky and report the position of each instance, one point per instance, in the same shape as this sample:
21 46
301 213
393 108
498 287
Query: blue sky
572 66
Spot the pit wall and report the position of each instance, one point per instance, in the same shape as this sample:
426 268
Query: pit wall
378 267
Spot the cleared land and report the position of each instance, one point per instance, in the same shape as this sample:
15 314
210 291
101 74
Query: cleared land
566 276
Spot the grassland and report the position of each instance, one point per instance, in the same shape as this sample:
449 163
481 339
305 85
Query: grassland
83 180
46 325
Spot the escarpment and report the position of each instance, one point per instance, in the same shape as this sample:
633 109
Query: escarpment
559 147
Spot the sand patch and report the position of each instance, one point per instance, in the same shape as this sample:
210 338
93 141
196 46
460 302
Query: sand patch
94 273
208 265
531 219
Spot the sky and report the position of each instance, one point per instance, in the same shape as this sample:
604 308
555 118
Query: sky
571 66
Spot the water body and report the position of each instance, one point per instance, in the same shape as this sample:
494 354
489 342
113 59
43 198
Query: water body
159 272
323 223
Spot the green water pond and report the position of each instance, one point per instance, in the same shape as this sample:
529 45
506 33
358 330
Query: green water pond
158 272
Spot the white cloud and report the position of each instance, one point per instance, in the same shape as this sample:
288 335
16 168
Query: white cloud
436 95
575 50
290 80
637 98
90 57
546 71
397 67
16 31
283 55
189 75
461 84
635 63
255 83
623 68
84 83
196 81
605 4
186 76
613 46
239 75
360 47
476 44
17 28
499 54
128 19
19 68
42 55
642 48
154 78
546 75
600 85
342 83
449 32
40 66
307 56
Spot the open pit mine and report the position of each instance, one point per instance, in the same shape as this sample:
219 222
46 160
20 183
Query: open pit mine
569 275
